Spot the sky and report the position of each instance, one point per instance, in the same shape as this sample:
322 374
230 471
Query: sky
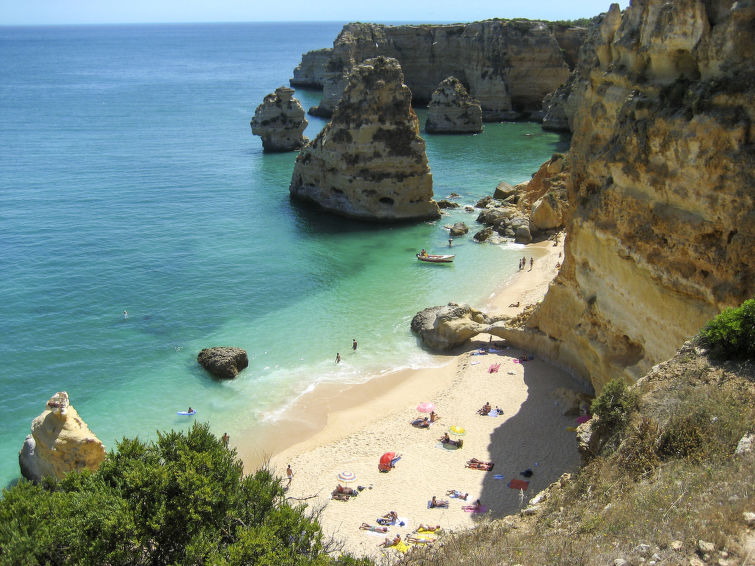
52 12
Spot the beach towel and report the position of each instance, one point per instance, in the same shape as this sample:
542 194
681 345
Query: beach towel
494 350
571 428
498 477
401 546
519 484
424 540
494 368
474 363
473 509
438 503
479 353
427 530
583 419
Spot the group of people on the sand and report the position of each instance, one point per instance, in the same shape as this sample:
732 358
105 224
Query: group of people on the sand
487 410
425 422
523 263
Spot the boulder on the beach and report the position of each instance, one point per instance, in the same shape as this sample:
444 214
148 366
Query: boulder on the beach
444 327
223 361
60 442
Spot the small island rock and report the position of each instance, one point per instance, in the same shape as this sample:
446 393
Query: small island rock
223 361
280 121
452 110
369 161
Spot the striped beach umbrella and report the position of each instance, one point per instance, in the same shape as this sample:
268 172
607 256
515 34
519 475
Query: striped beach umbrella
346 476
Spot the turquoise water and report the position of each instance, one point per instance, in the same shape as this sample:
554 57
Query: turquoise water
129 179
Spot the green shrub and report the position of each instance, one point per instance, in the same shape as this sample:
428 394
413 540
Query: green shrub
614 406
731 334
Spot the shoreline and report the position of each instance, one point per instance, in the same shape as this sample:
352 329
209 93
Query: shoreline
314 413
347 428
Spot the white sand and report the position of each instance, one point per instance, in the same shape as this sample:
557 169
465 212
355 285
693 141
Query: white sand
368 420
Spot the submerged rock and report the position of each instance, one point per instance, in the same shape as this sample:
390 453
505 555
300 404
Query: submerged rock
60 442
223 361
369 161
452 110
280 121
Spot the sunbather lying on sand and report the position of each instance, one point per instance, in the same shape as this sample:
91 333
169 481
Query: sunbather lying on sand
475 507
390 542
427 528
388 519
457 494
476 464
340 496
421 422
372 528
419 540
438 502
345 490
445 439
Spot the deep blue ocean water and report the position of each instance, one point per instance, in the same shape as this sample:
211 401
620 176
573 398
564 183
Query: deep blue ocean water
130 180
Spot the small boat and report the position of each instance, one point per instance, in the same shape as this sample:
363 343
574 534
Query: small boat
435 258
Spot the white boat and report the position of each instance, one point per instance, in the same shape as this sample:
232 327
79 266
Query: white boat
435 258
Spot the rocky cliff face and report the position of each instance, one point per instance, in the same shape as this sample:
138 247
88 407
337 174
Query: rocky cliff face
508 65
60 442
280 121
662 212
311 71
369 162
452 110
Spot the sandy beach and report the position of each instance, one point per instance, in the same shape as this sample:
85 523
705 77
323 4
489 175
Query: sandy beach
348 431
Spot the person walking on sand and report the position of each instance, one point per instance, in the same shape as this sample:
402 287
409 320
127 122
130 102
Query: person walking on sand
338 358
289 474
532 262
354 344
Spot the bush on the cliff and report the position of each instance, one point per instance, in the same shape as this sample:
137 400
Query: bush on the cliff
732 333
180 500
614 406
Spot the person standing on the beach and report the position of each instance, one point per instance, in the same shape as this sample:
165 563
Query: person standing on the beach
289 474
338 358
532 262
225 439
354 344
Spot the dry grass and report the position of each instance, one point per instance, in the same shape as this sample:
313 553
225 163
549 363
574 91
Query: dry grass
671 477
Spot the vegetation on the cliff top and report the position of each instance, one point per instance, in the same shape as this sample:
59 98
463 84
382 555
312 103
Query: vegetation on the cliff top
181 500
732 333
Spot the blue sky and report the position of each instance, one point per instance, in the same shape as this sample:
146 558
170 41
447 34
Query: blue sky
31 12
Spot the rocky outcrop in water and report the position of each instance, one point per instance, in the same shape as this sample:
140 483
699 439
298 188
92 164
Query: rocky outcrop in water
369 162
310 73
60 442
280 121
452 110
224 362
508 65
662 215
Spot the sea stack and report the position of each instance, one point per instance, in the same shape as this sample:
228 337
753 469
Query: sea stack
280 121
452 110
369 161
60 442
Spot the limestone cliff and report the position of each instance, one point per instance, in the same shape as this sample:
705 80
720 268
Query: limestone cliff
310 72
369 162
452 110
662 214
60 442
508 65
280 121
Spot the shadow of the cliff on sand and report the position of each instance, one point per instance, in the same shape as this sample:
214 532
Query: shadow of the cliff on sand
534 439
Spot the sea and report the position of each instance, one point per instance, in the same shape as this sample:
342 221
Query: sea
130 181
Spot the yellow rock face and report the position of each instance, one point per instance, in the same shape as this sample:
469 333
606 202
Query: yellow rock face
661 191
60 442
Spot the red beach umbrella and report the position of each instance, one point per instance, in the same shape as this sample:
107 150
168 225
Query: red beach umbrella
386 461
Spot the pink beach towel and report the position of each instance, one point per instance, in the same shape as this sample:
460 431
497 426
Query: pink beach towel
494 368
583 419
473 509
519 484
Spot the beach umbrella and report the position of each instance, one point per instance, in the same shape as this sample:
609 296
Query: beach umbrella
426 407
457 430
347 476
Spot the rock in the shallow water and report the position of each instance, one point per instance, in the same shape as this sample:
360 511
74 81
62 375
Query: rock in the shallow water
445 327
280 121
369 161
223 361
445 203
60 442
452 110
458 229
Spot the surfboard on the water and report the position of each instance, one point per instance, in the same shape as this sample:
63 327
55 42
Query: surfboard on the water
193 412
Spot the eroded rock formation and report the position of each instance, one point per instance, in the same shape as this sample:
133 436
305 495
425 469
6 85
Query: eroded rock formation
280 121
60 442
311 71
452 110
662 215
508 65
224 362
444 327
369 162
